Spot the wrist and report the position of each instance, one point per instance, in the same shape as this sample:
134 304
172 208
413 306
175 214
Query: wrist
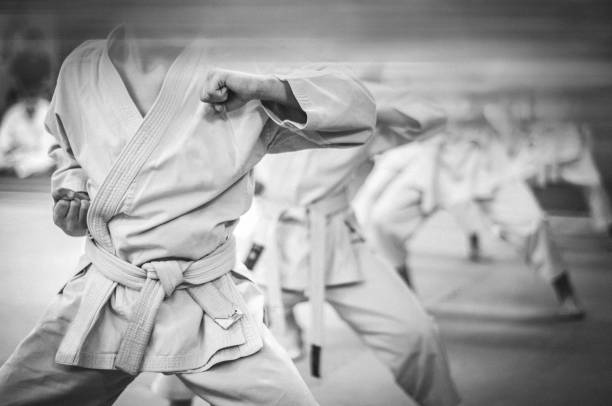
263 87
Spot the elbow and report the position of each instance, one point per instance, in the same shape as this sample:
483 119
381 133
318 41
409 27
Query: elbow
354 105
365 111
358 114
338 107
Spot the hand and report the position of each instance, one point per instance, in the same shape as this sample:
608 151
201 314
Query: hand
227 90
70 211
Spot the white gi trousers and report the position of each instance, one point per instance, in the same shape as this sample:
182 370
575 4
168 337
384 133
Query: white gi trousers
513 212
390 320
32 377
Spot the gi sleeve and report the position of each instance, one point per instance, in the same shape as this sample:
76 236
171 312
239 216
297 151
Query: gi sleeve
422 118
422 115
68 173
340 112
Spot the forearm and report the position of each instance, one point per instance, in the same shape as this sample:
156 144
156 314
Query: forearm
269 88
68 173
275 92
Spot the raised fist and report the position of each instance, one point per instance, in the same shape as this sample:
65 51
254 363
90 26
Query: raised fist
227 90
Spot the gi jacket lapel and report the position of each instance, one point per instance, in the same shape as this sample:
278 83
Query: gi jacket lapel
151 129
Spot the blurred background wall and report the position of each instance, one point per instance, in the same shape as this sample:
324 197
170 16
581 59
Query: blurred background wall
555 49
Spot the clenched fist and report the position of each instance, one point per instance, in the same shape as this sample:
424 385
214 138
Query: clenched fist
227 90
70 211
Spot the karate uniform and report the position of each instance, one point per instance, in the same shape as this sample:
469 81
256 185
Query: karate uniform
158 288
24 142
466 165
555 150
314 250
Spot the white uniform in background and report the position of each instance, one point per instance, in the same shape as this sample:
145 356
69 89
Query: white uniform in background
556 151
24 141
158 288
313 250
367 294
467 165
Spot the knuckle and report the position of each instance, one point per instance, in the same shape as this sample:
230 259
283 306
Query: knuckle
71 230
70 223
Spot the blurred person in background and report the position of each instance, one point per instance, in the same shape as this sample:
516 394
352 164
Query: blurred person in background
24 141
562 151
544 148
464 169
554 148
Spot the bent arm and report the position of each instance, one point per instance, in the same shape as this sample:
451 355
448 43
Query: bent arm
68 173
274 91
338 111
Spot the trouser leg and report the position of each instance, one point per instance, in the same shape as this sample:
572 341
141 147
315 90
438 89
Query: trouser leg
32 377
391 321
599 206
469 218
293 337
393 221
519 220
172 388
267 377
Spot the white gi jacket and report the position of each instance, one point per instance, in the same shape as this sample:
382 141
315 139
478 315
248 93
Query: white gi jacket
462 163
294 182
166 191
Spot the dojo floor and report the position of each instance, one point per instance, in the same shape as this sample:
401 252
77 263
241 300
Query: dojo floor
497 318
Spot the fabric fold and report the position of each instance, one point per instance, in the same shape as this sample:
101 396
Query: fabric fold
108 271
317 216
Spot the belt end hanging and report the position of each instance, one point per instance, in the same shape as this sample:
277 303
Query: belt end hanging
128 364
315 360
253 256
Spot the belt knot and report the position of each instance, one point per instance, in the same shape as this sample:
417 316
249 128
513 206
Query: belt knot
168 273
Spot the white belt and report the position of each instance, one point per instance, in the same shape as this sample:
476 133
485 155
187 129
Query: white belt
155 280
317 217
